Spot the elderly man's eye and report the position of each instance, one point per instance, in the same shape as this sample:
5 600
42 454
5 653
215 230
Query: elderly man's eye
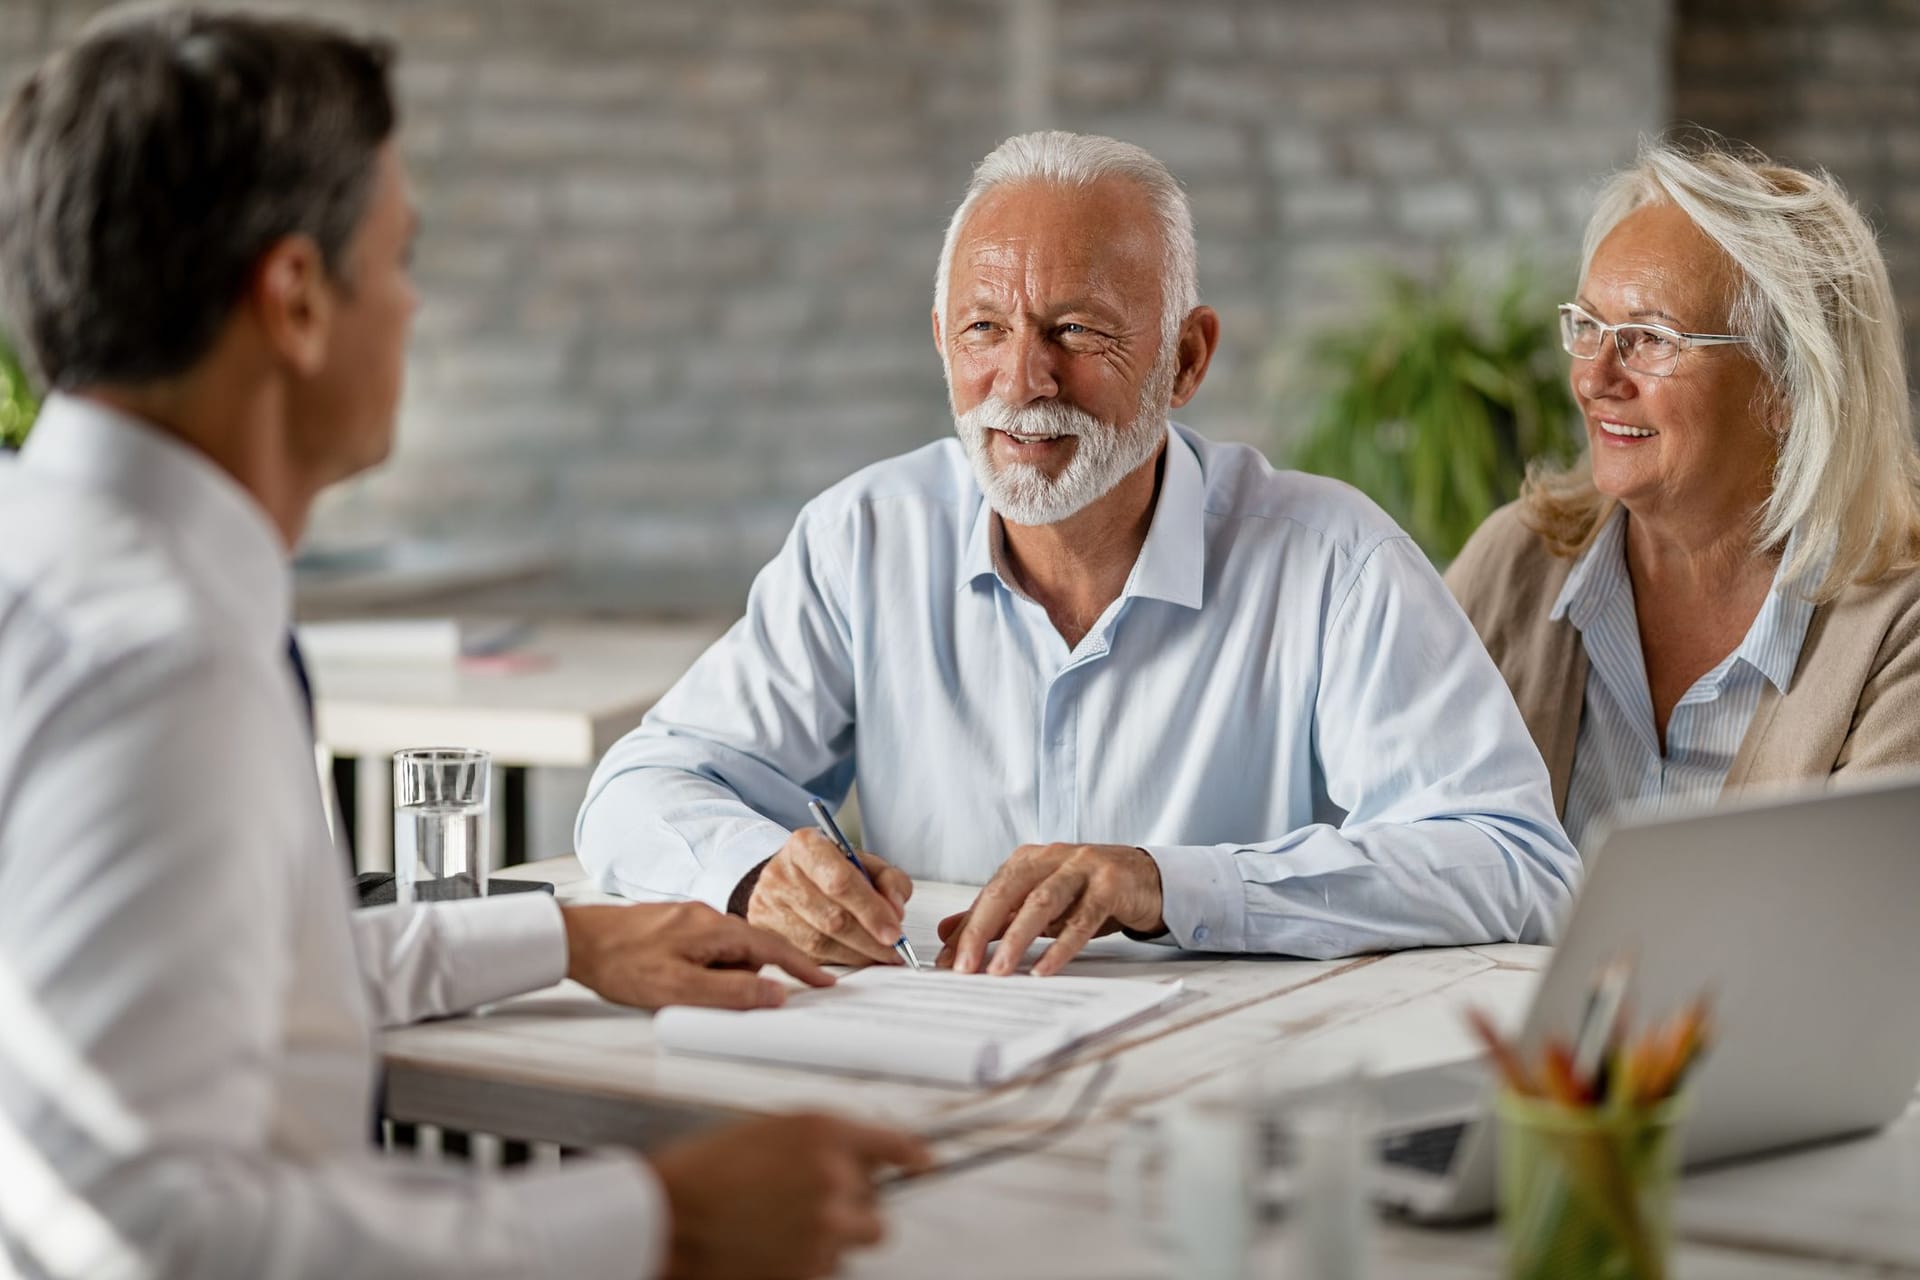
1650 341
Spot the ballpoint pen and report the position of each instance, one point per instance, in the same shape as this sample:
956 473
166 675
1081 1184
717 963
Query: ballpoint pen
831 829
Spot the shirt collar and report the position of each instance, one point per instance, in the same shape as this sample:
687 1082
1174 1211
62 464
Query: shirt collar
1172 561
1771 645
229 546
979 560
1599 573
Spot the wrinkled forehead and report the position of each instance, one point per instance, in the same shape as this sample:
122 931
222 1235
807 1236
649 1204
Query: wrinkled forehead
1047 241
1658 262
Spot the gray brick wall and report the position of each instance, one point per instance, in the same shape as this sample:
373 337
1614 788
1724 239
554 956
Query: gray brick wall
1320 141
1834 83
678 256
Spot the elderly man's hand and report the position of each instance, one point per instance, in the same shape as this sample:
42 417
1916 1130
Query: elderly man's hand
778 1198
811 895
1069 892
654 954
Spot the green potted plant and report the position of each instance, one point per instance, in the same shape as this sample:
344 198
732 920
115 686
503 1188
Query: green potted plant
18 405
1437 398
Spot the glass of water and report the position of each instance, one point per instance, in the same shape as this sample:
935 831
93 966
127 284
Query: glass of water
440 825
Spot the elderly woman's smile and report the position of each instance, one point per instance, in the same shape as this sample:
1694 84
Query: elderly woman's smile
1725 591
1696 439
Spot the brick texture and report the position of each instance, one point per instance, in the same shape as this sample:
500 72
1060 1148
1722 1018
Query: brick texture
678 257
1832 83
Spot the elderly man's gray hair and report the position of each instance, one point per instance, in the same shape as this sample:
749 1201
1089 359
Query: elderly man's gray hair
1079 159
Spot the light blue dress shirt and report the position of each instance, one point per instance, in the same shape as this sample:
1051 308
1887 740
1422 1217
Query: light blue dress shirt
1618 767
1284 708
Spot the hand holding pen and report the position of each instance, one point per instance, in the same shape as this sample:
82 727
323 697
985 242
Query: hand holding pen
836 910
831 830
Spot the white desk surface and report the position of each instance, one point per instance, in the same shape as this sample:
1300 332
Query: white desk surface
1850 1209
584 685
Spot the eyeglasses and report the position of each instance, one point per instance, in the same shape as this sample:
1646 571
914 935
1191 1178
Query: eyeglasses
1644 348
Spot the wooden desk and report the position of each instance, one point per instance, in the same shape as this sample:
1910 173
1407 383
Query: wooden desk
583 686
562 1066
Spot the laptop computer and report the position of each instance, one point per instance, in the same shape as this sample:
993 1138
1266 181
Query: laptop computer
1799 912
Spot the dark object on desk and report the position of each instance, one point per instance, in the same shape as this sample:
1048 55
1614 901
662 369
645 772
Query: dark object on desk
376 888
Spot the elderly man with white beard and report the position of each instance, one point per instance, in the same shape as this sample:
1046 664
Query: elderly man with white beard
1122 676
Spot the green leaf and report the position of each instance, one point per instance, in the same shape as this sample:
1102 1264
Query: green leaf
18 404
1433 402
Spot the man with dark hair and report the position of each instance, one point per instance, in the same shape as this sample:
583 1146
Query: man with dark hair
204 227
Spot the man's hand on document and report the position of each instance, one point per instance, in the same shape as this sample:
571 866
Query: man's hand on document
809 894
1069 892
654 954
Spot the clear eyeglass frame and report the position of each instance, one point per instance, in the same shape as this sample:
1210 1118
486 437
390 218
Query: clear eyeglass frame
1652 349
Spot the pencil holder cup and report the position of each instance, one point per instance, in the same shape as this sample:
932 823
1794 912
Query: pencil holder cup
1587 1191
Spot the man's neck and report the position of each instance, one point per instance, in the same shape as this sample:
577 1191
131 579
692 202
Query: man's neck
242 434
1076 568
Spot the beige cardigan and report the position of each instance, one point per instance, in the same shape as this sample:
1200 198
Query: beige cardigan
1853 704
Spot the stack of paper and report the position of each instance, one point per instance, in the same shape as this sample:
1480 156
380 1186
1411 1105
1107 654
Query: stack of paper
931 1025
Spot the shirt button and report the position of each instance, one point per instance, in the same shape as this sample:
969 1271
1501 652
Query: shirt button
1200 934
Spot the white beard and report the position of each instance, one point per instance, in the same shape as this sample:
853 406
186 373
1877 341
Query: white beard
1103 457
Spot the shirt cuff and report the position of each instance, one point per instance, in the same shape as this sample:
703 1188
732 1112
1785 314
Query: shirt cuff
1201 897
603 1217
722 870
521 936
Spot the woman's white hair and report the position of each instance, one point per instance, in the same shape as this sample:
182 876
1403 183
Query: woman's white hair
1080 159
1814 297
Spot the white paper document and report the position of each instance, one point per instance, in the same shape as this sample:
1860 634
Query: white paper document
932 1025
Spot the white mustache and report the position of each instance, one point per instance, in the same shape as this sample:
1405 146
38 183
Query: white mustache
1047 420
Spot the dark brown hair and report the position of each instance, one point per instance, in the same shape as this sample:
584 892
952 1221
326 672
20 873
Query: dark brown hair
145 170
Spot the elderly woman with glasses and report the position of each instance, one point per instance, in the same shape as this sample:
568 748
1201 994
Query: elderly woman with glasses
1723 591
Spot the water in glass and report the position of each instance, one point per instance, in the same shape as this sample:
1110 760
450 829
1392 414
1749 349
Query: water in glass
438 851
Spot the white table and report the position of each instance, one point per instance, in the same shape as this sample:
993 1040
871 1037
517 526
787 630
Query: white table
562 1066
581 687
570 692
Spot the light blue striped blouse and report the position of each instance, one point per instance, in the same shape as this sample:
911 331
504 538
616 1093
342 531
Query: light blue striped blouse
1617 765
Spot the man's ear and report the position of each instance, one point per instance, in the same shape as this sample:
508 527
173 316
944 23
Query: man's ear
939 342
1199 339
292 298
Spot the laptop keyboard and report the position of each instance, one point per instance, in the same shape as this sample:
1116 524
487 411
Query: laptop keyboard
1427 1150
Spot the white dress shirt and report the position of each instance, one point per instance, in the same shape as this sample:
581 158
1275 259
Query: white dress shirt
1284 708
189 1004
1618 765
